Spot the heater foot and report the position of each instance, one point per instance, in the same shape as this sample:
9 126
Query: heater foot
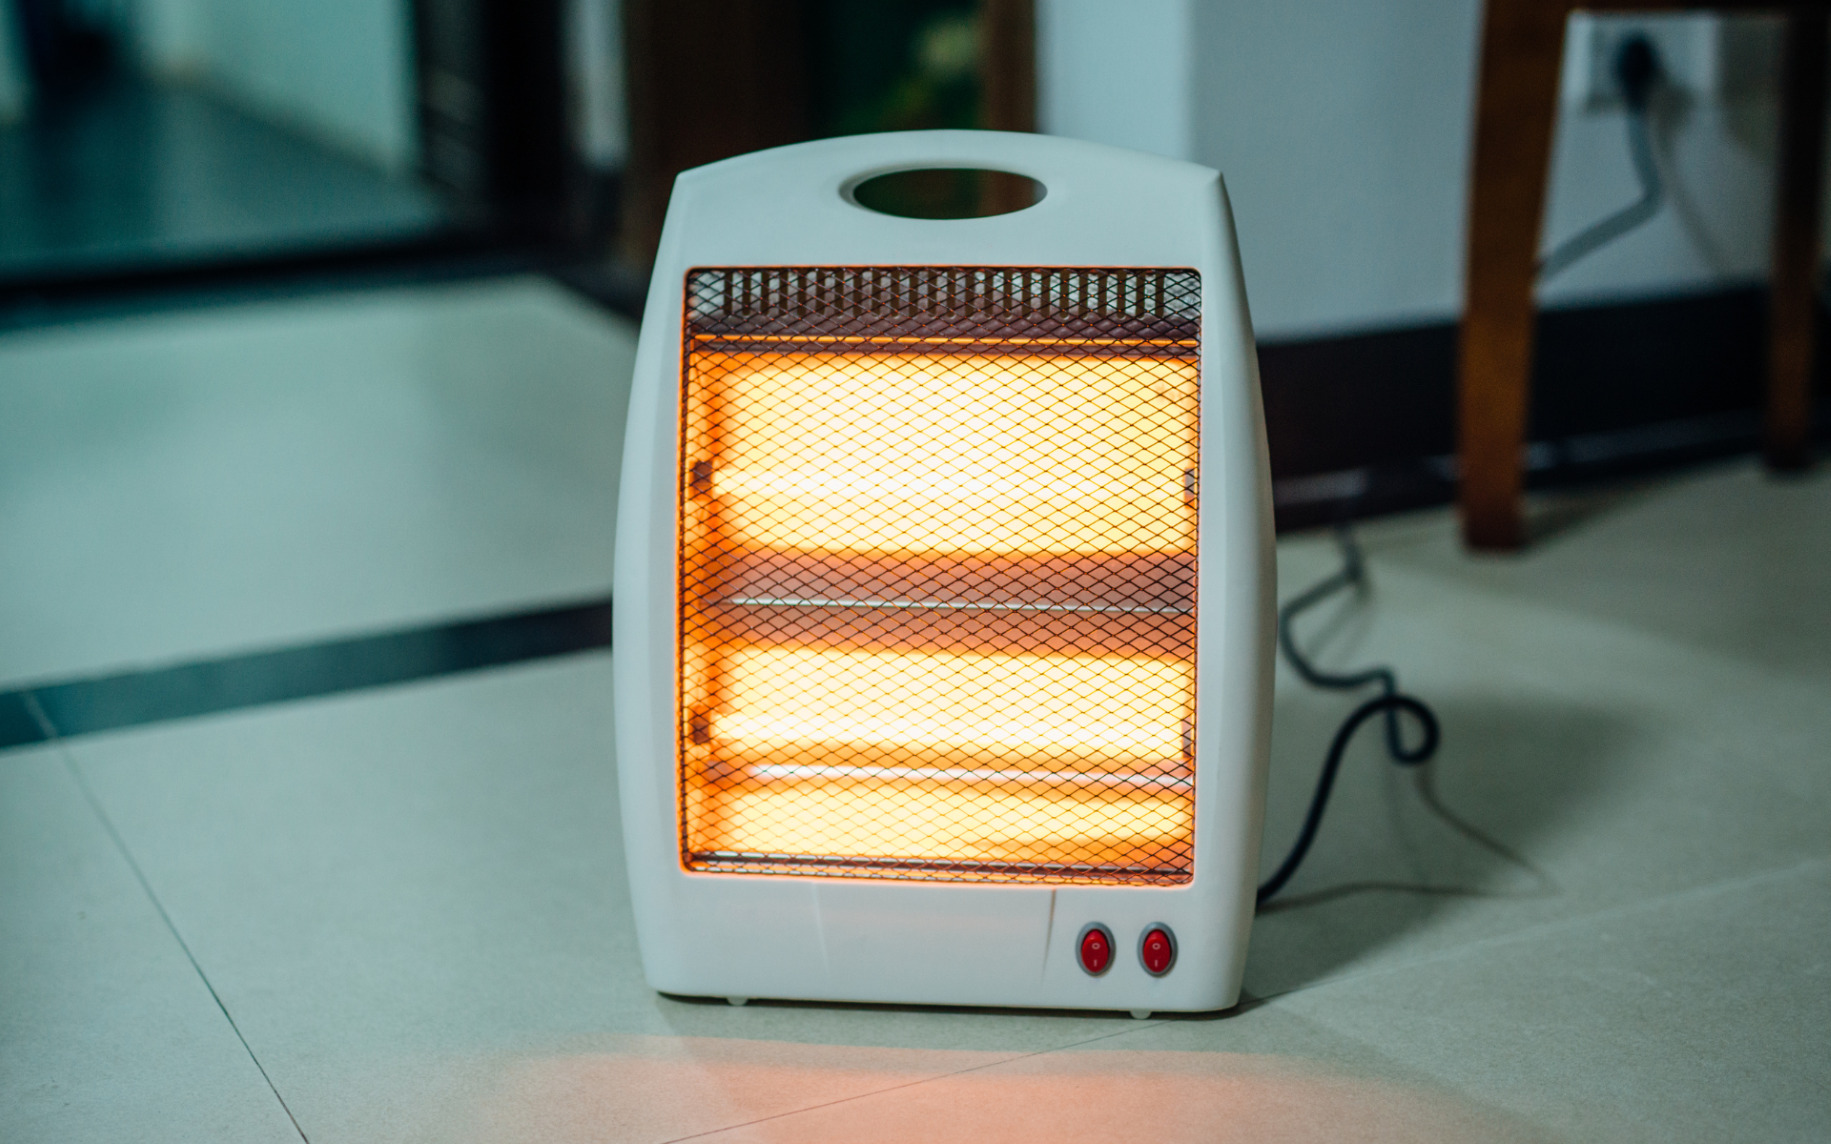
738 1000
1141 1014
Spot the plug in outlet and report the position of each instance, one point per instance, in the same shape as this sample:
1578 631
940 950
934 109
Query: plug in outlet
1687 46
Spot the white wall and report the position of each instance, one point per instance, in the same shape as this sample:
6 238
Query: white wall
1343 128
594 47
1118 73
340 70
15 84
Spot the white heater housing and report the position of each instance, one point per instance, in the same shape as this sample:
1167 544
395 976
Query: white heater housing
944 586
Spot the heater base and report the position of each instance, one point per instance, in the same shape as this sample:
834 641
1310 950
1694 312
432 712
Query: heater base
842 940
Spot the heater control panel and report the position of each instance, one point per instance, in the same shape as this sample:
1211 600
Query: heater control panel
1156 949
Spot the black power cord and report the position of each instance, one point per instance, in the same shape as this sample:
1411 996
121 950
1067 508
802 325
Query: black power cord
1637 72
1390 702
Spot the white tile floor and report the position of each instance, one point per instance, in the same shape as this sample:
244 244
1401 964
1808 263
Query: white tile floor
177 486
411 903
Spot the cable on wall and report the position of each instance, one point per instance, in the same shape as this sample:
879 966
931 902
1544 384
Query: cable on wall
1637 72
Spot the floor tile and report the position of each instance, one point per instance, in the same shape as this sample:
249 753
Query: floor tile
1585 763
414 900
106 1031
1728 559
183 485
1102 1095
653 1088
1705 1016
1604 918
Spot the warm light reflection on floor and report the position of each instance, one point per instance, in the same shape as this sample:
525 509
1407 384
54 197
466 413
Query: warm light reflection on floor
664 1089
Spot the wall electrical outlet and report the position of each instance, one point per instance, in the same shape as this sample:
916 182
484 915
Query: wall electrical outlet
1688 47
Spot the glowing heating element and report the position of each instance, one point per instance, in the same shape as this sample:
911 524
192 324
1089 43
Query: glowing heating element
936 581
953 453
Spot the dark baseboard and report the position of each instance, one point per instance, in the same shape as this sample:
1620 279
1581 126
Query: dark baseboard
43 299
1365 424
616 286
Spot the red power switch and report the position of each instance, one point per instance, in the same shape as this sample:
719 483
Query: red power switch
1157 949
1096 949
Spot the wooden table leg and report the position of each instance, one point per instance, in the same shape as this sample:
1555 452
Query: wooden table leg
1007 87
1521 46
706 79
1793 301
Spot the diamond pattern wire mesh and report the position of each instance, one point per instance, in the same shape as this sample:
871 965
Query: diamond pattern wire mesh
937 573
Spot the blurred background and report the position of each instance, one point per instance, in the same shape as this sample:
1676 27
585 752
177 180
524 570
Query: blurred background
148 146
317 327
151 137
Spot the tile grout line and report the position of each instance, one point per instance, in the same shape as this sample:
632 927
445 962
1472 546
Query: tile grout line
76 774
1136 1027
1533 933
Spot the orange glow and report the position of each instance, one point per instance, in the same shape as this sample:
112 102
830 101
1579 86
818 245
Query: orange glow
937 608
956 453
1120 710
824 818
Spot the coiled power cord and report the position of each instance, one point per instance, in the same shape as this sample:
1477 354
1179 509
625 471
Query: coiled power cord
1638 72
1391 703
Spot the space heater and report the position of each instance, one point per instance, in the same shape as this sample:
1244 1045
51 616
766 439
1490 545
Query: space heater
944 585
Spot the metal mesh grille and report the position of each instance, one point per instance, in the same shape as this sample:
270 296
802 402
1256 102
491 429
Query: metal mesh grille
937 573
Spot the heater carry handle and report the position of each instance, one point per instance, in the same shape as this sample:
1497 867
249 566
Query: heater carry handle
1100 206
1072 173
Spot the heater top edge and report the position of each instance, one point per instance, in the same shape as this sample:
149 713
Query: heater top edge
1020 152
1101 206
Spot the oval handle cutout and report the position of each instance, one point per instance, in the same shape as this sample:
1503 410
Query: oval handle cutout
948 192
